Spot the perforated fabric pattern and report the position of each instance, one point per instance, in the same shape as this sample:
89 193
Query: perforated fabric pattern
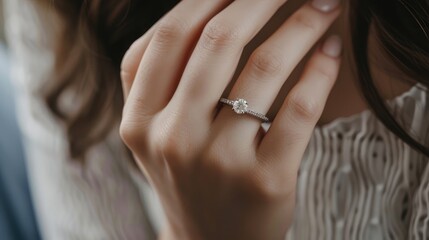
358 180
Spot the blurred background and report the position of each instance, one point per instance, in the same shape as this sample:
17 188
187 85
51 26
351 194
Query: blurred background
17 221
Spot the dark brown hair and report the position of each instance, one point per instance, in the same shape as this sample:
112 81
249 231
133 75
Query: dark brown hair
93 39
402 28
96 35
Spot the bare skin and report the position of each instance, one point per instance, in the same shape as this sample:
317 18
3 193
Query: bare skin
345 98
217 174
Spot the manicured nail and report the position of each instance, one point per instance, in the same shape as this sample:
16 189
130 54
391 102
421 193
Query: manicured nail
332 46
325 5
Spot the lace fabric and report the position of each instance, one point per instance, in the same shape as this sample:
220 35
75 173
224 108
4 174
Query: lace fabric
357 180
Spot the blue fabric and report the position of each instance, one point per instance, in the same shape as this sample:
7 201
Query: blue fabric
17 221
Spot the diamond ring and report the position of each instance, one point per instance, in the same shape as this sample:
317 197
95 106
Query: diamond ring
240 106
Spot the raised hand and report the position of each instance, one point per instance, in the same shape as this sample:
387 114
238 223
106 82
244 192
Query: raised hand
218 175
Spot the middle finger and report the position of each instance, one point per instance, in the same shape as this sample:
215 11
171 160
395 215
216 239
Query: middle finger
216 56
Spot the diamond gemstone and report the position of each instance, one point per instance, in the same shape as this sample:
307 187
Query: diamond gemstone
240 106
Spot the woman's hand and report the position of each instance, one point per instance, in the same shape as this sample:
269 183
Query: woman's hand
218 175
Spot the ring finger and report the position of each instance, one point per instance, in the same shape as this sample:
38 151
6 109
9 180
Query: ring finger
269 67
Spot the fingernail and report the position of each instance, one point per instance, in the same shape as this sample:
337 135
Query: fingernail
325 5
332 46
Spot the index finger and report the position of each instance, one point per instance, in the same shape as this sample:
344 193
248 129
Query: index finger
131 60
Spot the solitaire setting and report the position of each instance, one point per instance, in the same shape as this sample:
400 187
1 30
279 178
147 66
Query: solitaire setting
240 106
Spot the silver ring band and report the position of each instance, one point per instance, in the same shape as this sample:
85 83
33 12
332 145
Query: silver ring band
240 106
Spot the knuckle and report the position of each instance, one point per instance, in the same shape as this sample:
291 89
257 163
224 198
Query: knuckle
217 36
169 30
130 135
133 128
266 62
303 108
303 20
325 74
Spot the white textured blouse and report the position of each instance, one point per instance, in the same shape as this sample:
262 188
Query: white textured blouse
357 180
